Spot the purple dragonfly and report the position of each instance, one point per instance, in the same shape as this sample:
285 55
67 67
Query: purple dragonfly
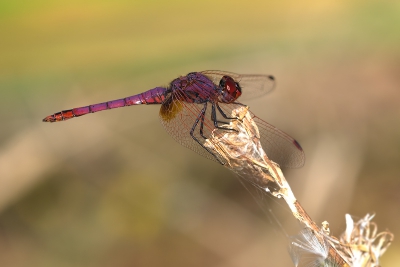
195 105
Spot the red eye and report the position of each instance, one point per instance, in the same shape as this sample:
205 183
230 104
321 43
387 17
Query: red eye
230 86
230 89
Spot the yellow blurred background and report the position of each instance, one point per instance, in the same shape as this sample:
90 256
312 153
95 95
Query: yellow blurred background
113 189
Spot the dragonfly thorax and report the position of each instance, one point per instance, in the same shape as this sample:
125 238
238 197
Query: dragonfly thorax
194 88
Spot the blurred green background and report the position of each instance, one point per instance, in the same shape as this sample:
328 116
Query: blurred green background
113 189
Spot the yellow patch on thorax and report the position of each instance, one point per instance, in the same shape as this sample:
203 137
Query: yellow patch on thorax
170 108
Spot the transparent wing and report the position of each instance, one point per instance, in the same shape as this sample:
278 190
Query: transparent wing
179 119
279 146
253 85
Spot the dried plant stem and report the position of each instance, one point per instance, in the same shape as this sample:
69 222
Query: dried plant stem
244 155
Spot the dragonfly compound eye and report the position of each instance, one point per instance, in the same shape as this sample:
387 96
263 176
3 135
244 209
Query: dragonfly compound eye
238 88
222 83
231 90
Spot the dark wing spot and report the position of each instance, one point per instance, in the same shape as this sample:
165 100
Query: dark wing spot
297 145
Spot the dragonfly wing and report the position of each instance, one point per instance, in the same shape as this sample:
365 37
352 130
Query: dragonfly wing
179 118
253 85
279 146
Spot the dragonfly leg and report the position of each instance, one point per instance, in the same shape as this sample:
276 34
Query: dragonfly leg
238 103
203 112
223 113
201 118
214 118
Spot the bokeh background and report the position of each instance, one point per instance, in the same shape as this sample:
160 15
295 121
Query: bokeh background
113 189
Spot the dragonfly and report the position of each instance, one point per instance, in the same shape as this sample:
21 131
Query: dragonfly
196 104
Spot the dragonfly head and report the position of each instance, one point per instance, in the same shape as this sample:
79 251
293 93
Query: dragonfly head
230 90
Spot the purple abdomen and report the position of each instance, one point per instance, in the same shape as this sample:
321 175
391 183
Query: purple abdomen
153 96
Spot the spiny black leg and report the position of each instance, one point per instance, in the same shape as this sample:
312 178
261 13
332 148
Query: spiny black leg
201 117
238 103
203 113
223 113
214 119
